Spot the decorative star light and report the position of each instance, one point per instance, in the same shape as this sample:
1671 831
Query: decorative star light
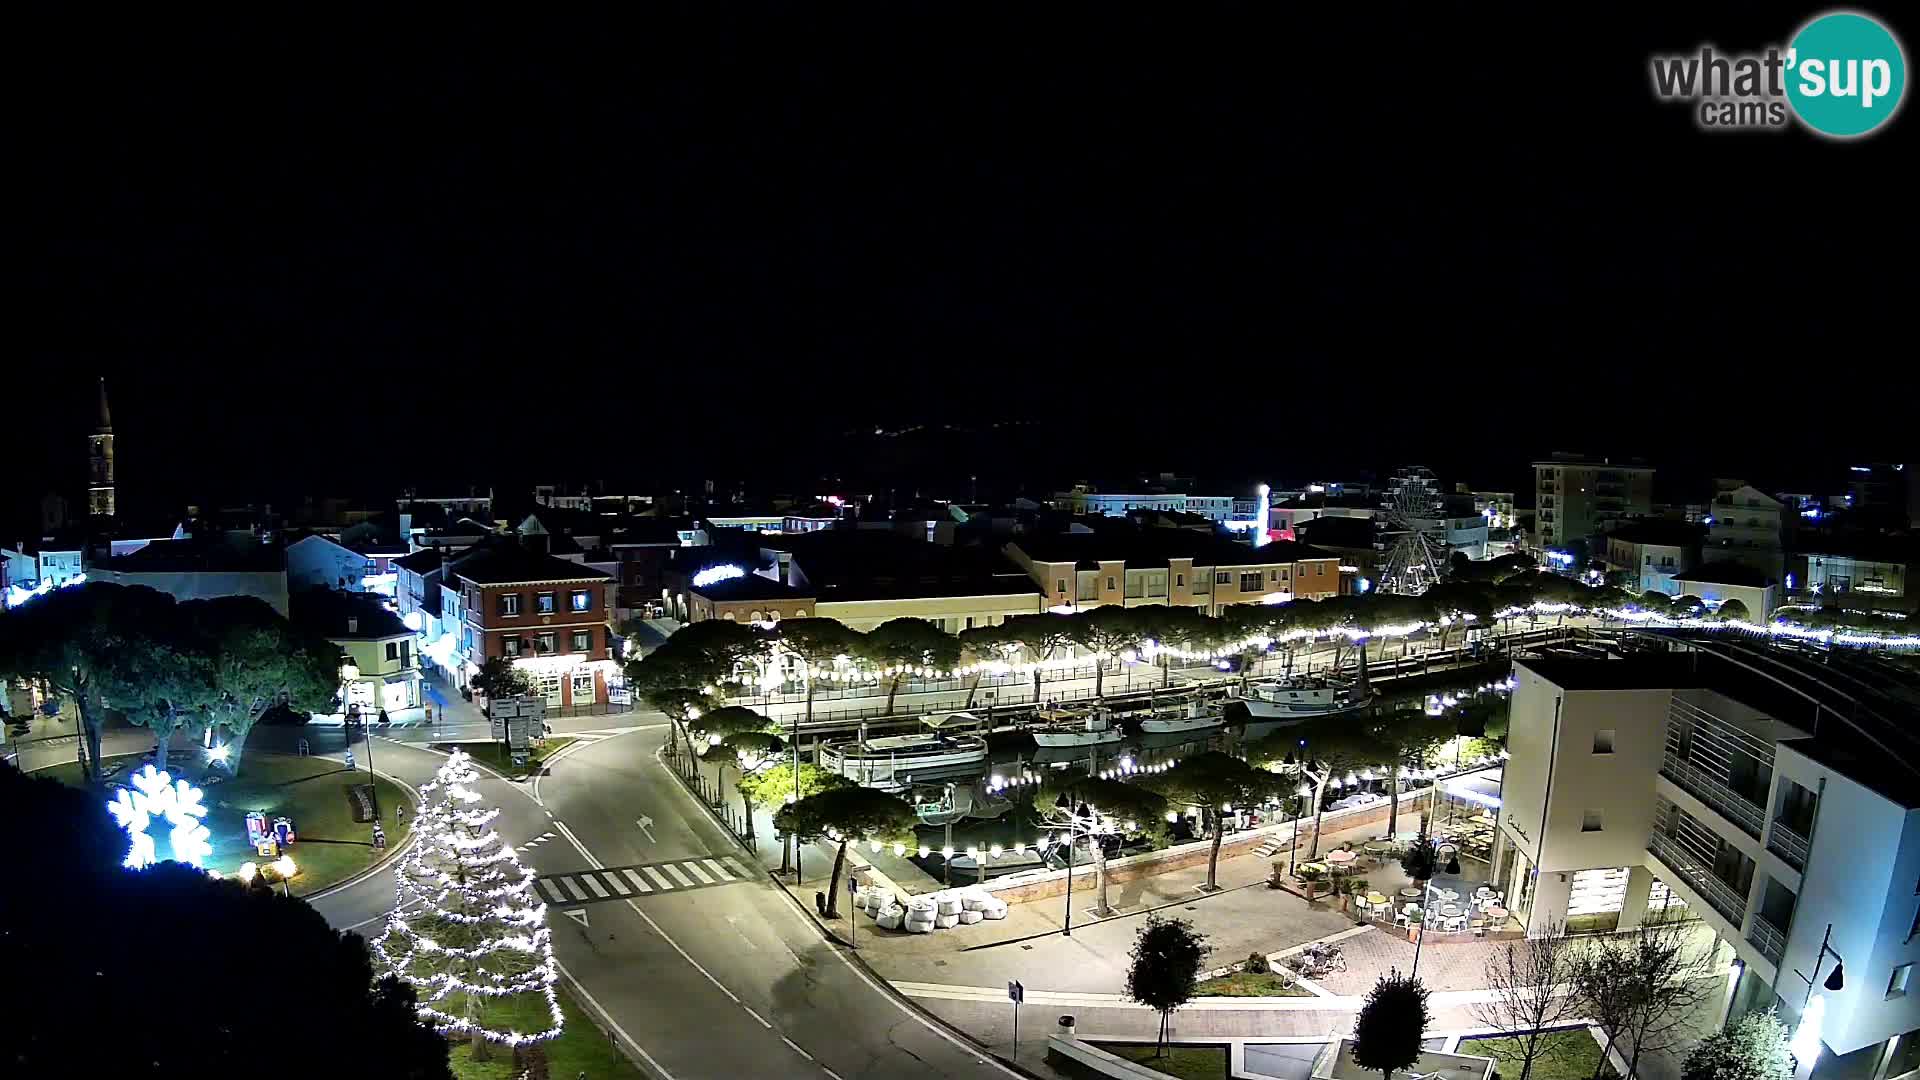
156 794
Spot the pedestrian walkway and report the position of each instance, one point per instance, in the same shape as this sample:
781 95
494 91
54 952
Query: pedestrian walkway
641 879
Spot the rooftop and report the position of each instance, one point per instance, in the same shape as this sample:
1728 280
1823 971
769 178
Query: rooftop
342 616
507 564
1146 548
1346 532
201 556
748 587
1656 531
1726 573
1654 672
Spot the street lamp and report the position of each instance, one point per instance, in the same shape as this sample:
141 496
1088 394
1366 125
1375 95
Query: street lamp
350 674
1426 908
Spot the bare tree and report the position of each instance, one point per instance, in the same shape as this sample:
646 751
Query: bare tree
1533 989
1643 987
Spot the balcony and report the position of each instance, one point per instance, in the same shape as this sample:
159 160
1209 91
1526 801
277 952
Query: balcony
1699 877
1768 938
1706 787
1789 844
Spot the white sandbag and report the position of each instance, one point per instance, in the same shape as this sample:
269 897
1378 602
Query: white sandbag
949 905
973 903
924 904
889 919
919 928
996 910
947 922
970 917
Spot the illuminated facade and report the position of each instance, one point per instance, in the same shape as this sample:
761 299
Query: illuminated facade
546 614
1669 783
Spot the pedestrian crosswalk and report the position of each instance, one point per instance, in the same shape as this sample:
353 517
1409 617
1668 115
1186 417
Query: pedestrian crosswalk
646 879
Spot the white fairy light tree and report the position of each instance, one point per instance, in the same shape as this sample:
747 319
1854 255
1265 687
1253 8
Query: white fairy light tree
468 932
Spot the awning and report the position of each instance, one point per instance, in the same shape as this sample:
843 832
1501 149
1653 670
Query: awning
1481 787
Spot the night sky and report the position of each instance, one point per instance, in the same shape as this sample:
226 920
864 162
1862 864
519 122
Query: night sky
1247 241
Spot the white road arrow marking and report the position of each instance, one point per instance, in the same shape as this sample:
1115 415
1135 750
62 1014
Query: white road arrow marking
646 826
578 915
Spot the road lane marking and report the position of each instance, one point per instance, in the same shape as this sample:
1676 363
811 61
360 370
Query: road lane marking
573 888
615 1024
618 885
741 870
593 883
694 869
551 891
830 1072
717 869
796 1048
677 875
637 883
757 1016
658 878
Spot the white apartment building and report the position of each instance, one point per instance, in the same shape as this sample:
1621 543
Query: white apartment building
1575 498
1743 526
1083 500
1774 799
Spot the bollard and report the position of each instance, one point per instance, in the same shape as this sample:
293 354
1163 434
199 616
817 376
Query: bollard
1066 1025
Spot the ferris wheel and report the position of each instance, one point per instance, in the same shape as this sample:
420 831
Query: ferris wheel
1412 532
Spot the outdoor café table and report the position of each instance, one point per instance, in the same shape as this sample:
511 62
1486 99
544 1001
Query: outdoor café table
1410 892
1377 847
1496 913
1450 910
1340 859
1376 899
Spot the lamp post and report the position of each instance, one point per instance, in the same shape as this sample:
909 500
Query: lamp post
1319 774
350 674
1426 909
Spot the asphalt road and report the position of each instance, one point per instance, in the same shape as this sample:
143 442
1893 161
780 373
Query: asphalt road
715 978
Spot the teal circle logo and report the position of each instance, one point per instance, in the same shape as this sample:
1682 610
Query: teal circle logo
1845 74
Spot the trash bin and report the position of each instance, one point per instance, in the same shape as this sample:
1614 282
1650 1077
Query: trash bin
820 903
1066 1024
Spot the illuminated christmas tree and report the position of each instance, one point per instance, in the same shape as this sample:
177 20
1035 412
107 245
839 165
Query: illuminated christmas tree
468 931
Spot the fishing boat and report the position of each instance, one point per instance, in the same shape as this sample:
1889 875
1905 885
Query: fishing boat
1303 697
1191 718
1068 727
892 760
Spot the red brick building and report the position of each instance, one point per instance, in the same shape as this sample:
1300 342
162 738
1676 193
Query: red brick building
546 614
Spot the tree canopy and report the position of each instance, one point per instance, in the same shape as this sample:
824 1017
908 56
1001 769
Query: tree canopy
1164 966
1387 1033
1214 780
848 814
208 933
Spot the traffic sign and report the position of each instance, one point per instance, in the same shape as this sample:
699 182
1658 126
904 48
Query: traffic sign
1015 992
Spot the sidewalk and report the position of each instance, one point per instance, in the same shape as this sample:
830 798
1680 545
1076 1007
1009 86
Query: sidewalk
1244 917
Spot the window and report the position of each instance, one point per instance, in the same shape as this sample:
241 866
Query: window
1109 584
1249 581
510 603
1222 578
547 685
393 650
1590 821
1179 580
544 641
510 646
1273 575
1897 986
583 641
1319 569
583 688
406 654
1603 741
969 622
582 600
543 603
1060 586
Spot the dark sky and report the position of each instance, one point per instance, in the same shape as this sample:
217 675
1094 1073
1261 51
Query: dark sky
1242 240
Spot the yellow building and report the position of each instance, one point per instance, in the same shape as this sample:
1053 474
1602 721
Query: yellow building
1143 567
373 640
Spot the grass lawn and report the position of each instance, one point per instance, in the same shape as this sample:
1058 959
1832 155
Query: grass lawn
495 756
1186 1062
1565 1055
1241 984
579 1051
330 845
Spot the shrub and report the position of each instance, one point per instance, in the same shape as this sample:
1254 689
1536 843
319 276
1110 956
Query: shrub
1256 964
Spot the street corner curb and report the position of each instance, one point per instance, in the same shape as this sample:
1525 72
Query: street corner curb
393 852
